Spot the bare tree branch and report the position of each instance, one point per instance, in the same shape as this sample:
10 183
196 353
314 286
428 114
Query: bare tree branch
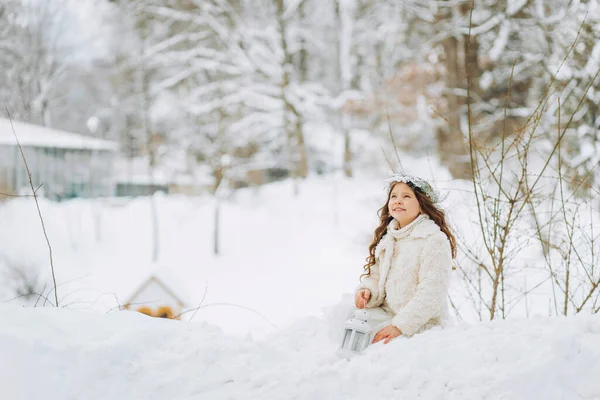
33 189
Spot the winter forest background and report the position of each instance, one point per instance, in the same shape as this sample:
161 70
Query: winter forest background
304 82
219 164
496 101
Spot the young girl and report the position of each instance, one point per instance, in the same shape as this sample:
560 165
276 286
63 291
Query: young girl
405 284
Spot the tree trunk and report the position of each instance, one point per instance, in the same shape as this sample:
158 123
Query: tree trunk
452 146
347 148
144 87
299 163
346 80
302 76
302 160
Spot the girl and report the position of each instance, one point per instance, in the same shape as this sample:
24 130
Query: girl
405 284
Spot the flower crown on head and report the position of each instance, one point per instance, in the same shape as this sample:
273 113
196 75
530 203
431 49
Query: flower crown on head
434 195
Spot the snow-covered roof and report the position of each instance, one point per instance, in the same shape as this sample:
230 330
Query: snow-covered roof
154 291
40 136
159 282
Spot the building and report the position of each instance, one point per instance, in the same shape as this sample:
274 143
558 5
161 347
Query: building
67 165
157 298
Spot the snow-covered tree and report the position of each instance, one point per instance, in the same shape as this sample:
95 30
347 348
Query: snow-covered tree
38 51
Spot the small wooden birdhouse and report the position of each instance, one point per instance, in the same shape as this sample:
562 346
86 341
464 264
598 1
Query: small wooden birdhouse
155 298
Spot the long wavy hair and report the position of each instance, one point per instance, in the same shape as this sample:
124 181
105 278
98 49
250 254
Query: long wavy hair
437 215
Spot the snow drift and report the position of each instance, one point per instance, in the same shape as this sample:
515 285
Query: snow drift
65 354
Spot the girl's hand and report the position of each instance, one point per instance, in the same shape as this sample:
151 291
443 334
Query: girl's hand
388 333
361 298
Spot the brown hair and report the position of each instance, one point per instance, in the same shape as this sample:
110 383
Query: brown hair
437 215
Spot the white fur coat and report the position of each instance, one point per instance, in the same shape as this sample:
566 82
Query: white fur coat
410 277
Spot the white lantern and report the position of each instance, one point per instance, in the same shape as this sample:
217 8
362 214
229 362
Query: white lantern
357 334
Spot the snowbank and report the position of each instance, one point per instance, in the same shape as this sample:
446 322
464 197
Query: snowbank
274 245
282 257
58 354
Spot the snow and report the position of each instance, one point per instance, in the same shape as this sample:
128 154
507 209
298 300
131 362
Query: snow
172 170
593 64
269 305
514 6
40 136
484 27
347 10
125 355
563 71
269 245
282 257
486 81
501 41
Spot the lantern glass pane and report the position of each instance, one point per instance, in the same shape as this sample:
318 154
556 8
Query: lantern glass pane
357 343
347 335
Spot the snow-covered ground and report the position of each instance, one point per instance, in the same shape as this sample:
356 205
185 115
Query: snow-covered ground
58 354
282 256
264 330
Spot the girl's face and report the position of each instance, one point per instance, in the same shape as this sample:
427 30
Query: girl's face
403 205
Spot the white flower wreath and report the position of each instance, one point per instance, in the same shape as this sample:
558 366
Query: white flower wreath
434 195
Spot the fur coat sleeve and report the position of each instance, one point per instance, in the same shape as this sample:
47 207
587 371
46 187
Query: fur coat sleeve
371 282
430 296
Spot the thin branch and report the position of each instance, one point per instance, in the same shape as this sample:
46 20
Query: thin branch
502 152
201 302
232 305
455 308
470 131
475 288
22 195
40 296
387 114
25 295
388 160
36 203
14 195
583 97
546 93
